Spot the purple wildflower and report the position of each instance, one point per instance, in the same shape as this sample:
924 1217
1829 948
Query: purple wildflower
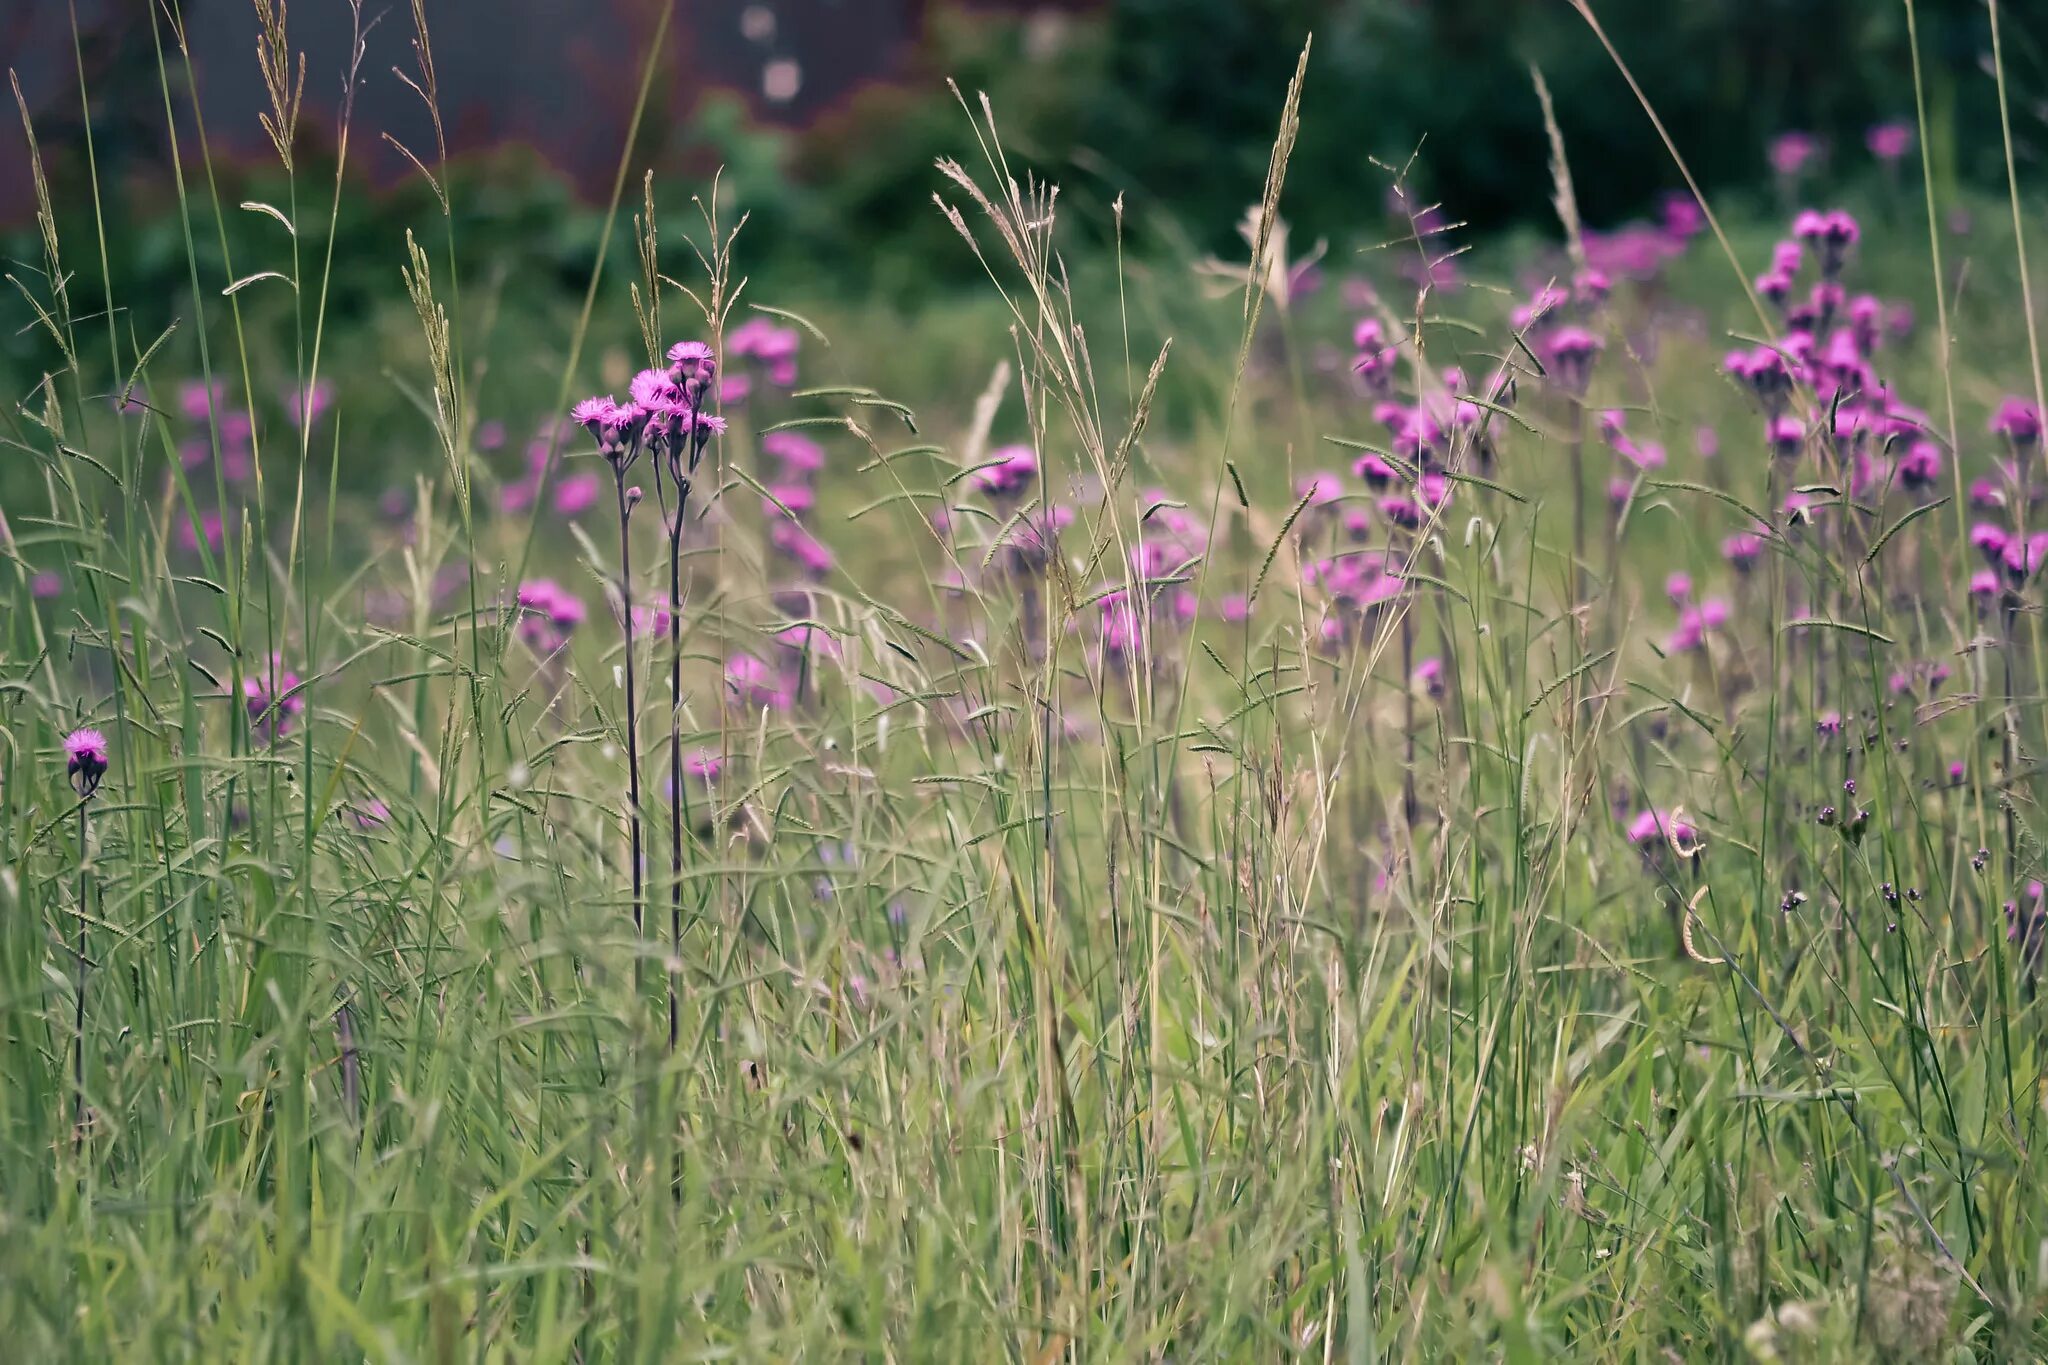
86 759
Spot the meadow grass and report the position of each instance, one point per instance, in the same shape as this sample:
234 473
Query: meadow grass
1215 835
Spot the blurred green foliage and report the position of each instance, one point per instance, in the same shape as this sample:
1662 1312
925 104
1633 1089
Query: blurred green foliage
1171 104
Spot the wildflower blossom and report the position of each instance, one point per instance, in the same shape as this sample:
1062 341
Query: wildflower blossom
754 684
1889 142
688 359
576 495
272 701
1572 351
86 759
1792 152
305 408
548 613
2018 421
1657 832
1009 471
797 453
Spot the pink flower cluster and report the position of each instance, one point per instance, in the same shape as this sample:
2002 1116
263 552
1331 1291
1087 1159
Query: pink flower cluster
548 614
273 701
772 348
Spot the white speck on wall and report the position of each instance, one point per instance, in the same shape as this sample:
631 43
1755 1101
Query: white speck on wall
781 79
757 24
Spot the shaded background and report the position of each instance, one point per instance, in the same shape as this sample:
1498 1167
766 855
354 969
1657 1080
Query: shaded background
827 113
826 117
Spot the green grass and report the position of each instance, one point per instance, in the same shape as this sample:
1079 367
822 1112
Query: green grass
1250 1003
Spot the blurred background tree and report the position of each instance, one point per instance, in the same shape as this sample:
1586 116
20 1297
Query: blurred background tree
827 115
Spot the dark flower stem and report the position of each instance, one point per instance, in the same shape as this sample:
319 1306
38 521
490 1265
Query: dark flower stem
78 1014
675 742
632 710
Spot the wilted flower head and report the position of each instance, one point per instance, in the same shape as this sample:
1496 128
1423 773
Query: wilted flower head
86 756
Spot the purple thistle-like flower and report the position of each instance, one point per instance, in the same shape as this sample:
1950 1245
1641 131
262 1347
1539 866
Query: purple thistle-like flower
2024 558
793 499
1920 466
1652 830
1889 142
688 359
272 700
2018 421
594 414
1376 472
1792 152
1400 511
803 549
1742 550
656 392
86 758
576 495
754 684
1572 351
797 453
1429 678
1008 473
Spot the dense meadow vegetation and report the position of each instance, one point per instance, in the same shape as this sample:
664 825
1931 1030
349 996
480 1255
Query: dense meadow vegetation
1437 802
